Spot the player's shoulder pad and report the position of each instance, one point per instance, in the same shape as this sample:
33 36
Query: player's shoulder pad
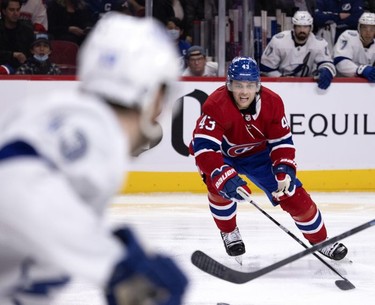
216 98
352 33
280 35
270 95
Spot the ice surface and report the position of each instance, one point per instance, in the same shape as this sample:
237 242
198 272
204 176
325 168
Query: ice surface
178 224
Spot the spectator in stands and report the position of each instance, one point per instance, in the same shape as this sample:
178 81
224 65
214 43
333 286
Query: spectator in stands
35 11
176 31
99 7
16 37
179 9
197 10
289 7
69 20
298 52
194 10
163 11
354 52
197 64
123 6
333 17
39 62
136 7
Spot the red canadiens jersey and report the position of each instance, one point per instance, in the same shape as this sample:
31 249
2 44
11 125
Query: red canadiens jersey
223 131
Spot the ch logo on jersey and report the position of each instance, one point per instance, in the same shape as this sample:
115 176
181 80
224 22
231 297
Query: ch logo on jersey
238 150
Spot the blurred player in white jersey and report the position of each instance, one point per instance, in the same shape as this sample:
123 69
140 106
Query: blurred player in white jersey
299 53
63 157
354 52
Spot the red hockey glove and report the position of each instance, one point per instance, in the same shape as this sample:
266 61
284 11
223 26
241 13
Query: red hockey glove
285 175
226 181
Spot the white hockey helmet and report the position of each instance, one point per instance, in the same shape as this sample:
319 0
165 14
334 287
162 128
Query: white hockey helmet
302 18
367 18
125 60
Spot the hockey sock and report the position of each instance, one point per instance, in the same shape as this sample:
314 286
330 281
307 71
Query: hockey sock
223 211
306 215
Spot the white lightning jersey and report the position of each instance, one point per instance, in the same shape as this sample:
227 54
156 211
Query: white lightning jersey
349 53
282 57
62 158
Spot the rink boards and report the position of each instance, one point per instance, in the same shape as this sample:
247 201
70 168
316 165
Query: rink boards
333 130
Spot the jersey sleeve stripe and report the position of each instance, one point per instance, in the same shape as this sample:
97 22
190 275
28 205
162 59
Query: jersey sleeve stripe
286 137
202 151
282 146
204 136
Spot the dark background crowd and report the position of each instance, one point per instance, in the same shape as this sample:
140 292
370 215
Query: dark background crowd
72 20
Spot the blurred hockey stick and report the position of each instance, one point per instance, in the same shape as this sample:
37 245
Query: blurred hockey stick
214 268
345 284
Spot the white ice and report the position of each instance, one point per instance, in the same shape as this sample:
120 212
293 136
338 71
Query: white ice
178 224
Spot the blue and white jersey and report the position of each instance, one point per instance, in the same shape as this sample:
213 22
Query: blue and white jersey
349 53
282 57
62 157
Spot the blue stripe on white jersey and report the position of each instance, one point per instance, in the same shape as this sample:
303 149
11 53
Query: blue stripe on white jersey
265 68
340 58
17 149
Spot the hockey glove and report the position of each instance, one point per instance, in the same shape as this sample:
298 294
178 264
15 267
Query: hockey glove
367 72
226 181
140 279
285 176
324 78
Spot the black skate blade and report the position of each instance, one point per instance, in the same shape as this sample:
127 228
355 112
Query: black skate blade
344 284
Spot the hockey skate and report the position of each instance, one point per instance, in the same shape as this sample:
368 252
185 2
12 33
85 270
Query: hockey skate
336 251
233 244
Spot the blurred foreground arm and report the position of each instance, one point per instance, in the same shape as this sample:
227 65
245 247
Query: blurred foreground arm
142 279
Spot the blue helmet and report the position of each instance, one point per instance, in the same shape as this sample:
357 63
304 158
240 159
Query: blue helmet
243 69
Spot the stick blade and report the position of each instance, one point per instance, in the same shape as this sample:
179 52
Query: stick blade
344 284
212 267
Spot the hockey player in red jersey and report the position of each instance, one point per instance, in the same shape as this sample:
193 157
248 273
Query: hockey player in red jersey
243 130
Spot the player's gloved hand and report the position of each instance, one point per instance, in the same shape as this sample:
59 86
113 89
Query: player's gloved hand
285 175
324 78
367 72
226 181
140 279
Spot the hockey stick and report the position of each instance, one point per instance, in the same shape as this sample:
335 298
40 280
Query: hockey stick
343 284
209 265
